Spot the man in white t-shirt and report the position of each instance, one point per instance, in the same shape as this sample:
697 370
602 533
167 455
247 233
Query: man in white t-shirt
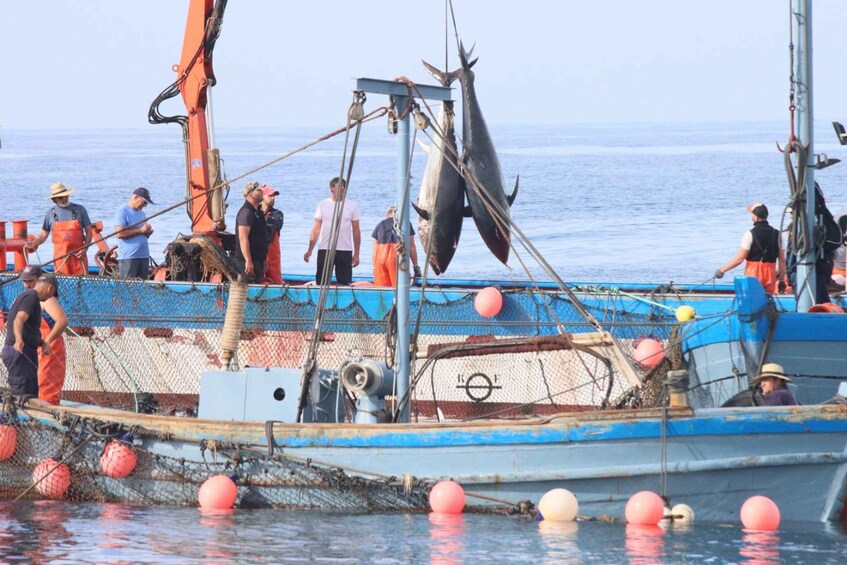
761 247
349 236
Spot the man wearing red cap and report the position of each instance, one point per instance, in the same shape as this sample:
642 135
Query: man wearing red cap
274 219
761 247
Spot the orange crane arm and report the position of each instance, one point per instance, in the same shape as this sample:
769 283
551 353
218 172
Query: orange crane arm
194 77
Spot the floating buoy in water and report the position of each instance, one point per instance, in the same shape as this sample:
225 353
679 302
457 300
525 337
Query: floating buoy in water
760 513
649 353
645 508
447 497
826 308
118 460
488 302
685 313
51 479
558 505
218 493
8 441
682 514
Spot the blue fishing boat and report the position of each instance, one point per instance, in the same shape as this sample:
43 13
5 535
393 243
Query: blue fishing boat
362 399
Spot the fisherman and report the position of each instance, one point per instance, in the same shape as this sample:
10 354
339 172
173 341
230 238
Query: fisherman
132 232
72 232
386 245
761 247
274 218
252 249
349 235
51 368
23 338
773 380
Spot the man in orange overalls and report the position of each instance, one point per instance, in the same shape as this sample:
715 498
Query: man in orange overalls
761 247
52 367
384 255
274 218
72 232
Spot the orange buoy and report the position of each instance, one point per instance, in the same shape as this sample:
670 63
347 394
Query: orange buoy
51 478
826 308
118 460
645 508
8 441
760 513
488 302
447 497
218 493
649 353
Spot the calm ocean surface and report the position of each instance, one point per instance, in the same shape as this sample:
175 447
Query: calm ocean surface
641 203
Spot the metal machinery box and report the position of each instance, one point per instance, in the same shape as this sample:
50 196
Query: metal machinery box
258 394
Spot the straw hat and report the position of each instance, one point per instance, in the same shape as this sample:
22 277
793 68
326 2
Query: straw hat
57 190
773 370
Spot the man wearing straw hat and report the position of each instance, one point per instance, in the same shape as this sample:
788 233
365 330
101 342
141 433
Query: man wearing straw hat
72 231
773 380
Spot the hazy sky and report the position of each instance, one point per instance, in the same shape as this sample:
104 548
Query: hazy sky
99 63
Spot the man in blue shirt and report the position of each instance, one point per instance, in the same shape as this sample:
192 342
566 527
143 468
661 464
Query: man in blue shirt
772 380
132 232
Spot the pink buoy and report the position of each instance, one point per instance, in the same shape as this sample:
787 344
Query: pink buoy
8 441
644 508
760 513
362 284
118 460
218 493
447 497
488 302
51 478
649 353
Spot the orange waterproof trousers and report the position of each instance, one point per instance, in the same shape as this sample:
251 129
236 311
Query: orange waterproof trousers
51 368
385 266
67 237
273 273
765 272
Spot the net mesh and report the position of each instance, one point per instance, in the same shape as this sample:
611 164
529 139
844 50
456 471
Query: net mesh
142 346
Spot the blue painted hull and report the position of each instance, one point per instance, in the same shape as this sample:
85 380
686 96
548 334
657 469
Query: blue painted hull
715 459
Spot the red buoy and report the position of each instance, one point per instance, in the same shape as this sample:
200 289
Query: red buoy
118 460
645 508
218 493
447 497
488 302
760 513
51 478
8 441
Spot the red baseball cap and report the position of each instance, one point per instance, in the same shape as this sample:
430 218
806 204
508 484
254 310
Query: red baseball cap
269 191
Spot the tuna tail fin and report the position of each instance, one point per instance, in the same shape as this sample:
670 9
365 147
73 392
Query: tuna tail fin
421 212
446 78
464 56
511 198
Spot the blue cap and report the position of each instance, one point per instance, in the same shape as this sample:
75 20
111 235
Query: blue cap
142 192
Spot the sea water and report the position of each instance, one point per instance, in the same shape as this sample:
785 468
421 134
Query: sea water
61 532
639 202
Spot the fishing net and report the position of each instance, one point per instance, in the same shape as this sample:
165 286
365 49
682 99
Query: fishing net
83 459
142 346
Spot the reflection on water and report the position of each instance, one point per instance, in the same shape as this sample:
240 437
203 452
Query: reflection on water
760 548
57 531
644 544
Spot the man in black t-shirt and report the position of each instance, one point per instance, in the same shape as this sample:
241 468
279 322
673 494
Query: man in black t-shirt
252 250
23 336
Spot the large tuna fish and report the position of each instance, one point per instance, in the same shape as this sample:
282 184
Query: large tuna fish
481 164
442 198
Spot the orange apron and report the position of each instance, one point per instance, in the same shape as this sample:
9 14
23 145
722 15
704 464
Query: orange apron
67 237
385 269
273 274
51 368
765 272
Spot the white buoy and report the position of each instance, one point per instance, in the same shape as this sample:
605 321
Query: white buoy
682 514
558 505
